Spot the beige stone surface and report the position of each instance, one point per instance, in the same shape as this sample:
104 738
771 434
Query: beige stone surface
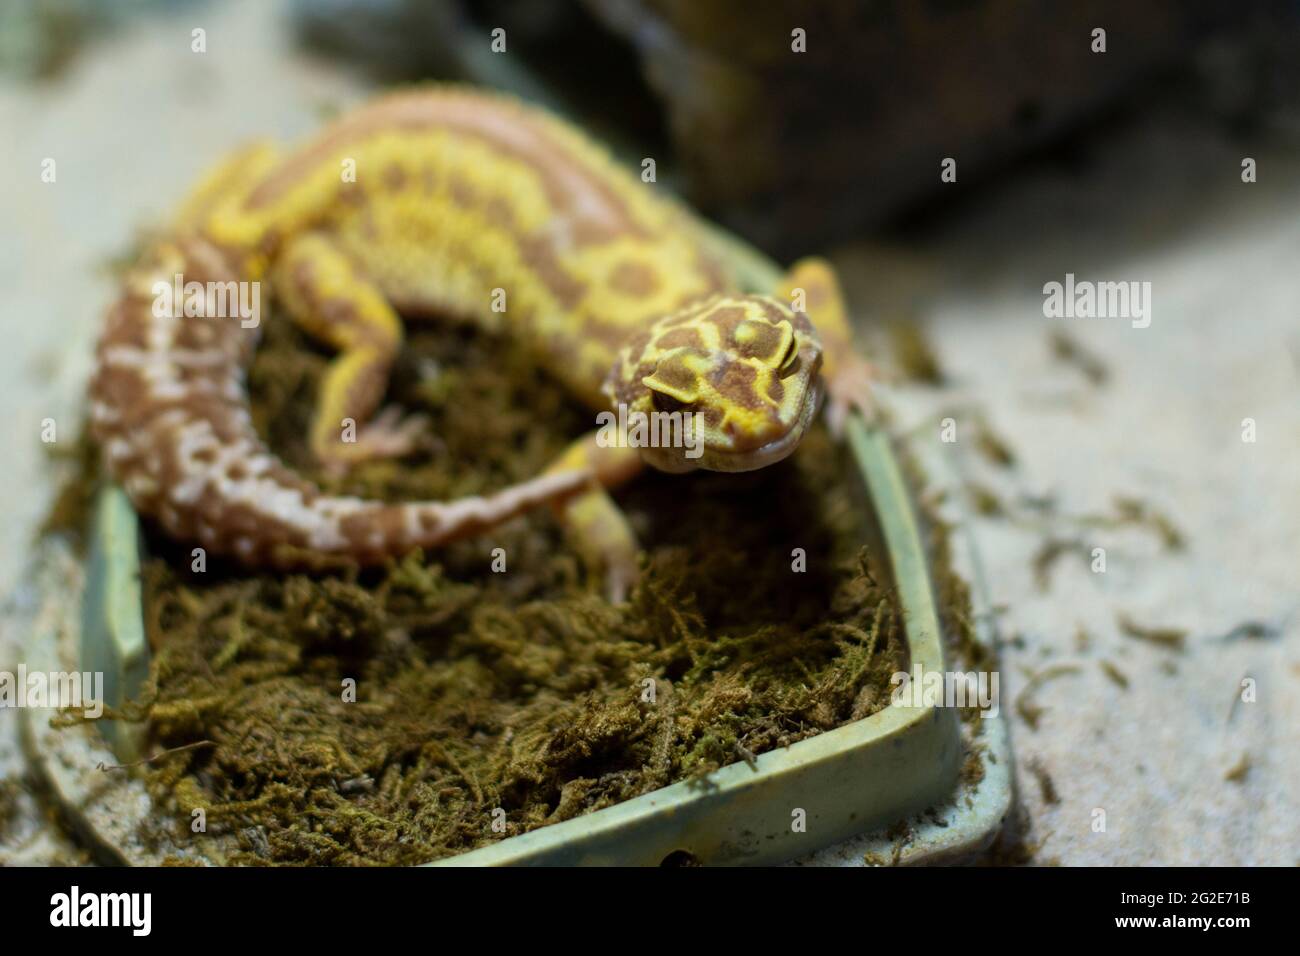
138 116
1159 201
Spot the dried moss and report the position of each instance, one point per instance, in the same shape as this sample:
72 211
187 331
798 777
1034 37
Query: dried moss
985 500
1238 772
955 606
523 692
10 790
1028 710
973 770
1168 638
1117 676
1049 552
69 514
1046 786
1252 631
914 354
992 446
1068 350
1135 512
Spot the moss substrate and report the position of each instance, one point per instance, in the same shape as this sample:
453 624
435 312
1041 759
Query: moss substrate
478 692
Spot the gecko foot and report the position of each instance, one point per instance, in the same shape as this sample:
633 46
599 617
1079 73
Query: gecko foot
620 577
851 388
387 435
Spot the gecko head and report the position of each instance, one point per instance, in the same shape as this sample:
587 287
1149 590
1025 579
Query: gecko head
727 384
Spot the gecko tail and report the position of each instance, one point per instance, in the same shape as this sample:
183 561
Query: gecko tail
370 532
264 515
170 412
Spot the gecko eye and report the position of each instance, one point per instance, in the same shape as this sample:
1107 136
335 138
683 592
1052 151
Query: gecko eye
664 402
789 362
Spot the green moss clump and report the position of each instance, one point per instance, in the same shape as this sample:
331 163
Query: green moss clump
523 692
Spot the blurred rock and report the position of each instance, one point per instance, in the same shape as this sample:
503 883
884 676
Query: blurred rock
393 36
38 38
797 148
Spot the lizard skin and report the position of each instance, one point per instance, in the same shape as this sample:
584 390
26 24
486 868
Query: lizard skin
466 205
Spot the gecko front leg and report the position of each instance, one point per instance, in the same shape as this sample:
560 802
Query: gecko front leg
333 300
593 522
849 377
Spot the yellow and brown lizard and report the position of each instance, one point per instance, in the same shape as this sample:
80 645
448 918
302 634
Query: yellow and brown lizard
460 204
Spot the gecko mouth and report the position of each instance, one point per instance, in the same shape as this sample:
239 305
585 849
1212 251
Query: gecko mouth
778 448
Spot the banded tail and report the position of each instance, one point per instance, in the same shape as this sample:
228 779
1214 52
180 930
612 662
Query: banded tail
170 412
